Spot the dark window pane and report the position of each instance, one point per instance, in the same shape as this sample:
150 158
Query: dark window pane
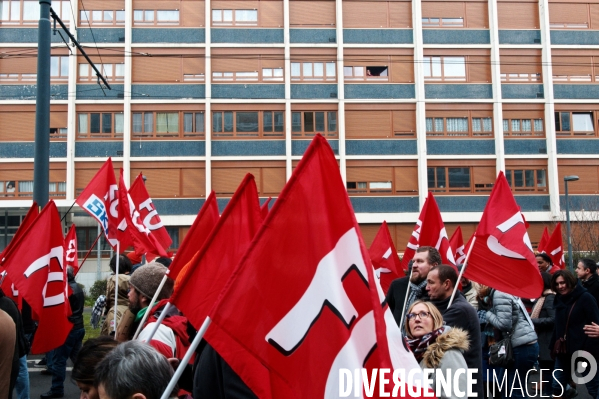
518 178
94 125
565 121
508 176
247 121
228 124
308 121
279 121
332 121
217 122
441 177
296 121
106 123
459 177
267 121
529 176
199 122
148 122
430 172
187 122
319 121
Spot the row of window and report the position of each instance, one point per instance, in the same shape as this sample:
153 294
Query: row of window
24 188
462 180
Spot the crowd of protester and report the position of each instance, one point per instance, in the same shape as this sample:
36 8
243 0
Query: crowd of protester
443 331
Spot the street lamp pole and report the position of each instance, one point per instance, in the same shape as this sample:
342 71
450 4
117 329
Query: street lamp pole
566 180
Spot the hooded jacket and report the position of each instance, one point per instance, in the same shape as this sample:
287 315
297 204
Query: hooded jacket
446 354
506 315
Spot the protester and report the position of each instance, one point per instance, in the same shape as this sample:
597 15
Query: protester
21 347
122 302
91 353
29 327
8 339
543 318
441 282
57 359
164 261
574 308
424 260
586 270
133 370
469 289
504 310
545 263
435 345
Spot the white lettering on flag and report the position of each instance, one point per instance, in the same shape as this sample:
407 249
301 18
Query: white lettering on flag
44 261
496 247
96 207
149 206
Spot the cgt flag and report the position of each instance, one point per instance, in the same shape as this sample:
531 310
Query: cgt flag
70 250
314 307
433 231
543 242
555 249
457 246
36 267
384 258
501 254
25 223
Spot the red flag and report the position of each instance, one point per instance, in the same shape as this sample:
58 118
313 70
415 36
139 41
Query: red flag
384 257
70 250
100 200
148 213
36 268
303 300
412 246
433 232
9 289
27 221
131 230
264 208
501 255
198 232
555 248
457 246
543 242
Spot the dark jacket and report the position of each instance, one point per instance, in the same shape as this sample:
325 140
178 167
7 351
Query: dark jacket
21 343
77 302
461 314
584 312
396 296
544 326
592 286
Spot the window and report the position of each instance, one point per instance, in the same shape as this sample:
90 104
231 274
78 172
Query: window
249 76
100 125
523 127
59 67
27 12
193 123
234 17
308 123
167 124
382 178
380 73
313 71
574 124
269 176
459 127
458 179
18 77
442 22
447 69
248 124
527 179
102 17
111 72
569 25
272 74
24 188
155 17
520 77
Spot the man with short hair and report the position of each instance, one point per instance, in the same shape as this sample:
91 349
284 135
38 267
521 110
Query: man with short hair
441 282
425 259
586 270
133 370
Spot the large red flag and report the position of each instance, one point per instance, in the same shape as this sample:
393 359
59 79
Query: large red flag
198 232
501 255
148 213
384 257
264 208
70 250
100 200
304 299
433 232
555 249
27 221
457 246
36 268
412 246
131 230
543 242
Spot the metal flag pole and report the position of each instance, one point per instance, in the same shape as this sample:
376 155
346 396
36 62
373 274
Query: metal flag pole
143 320
462 271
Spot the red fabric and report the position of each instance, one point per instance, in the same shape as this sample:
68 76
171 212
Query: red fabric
456 242
9 289
501 255
36 268
176 323
131 230
32 213
433 232
555 249
70 250
196 236
543 242
134 258
384 258
147 212
412 246
264 208
302 300
100 200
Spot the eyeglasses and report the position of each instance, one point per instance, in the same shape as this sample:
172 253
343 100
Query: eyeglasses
420 315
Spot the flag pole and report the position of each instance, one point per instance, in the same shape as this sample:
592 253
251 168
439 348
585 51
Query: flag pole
158 322
152 302
461 272
67 212
404 305
185 360
90 250
116 286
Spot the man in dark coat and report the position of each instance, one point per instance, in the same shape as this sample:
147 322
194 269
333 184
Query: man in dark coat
21 346
586 270
440 285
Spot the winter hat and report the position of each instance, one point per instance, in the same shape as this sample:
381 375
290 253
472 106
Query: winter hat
146 279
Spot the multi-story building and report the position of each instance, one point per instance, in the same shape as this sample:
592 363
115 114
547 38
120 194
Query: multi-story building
412 95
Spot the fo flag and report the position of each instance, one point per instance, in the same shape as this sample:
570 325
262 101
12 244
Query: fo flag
70 250
36 267
27 221
457 246
194 239
304 298
100 200
384 258
544 239
148 213
501 254
555 249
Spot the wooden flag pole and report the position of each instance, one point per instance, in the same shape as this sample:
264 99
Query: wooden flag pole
461 272
152 302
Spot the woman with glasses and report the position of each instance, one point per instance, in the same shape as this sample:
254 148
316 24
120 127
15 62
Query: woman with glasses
436 346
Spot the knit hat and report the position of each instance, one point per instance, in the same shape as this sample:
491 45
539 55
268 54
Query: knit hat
147 279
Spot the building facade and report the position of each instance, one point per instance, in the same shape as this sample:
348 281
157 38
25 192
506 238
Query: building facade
412 95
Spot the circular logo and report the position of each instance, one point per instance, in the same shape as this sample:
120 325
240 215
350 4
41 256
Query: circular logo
583 366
